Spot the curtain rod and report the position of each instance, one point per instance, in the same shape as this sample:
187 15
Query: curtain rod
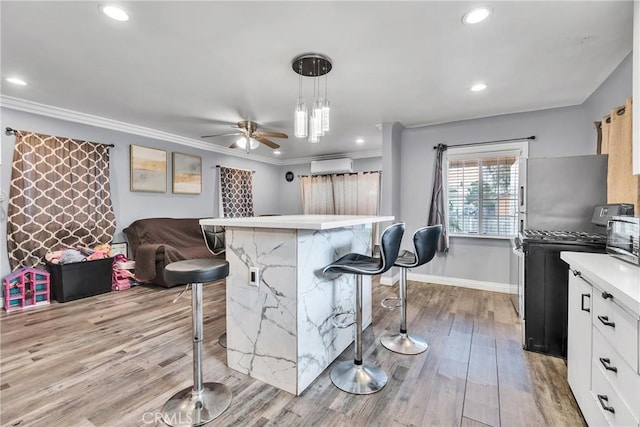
489 142
344 173
11 131
228 167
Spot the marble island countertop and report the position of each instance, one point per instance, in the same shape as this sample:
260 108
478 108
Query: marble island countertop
303 222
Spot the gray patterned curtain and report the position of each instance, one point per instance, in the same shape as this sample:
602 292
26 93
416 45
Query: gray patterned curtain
59 197
236 192
437 209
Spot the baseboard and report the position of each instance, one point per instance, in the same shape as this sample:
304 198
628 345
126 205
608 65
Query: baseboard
504 288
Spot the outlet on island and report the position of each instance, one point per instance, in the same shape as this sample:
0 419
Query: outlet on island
254 276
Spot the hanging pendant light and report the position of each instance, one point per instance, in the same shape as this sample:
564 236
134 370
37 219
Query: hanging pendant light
315 123
326 108
300 120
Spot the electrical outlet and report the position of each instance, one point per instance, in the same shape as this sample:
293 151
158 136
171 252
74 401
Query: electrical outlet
254 276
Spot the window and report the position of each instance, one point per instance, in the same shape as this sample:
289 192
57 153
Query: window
482 189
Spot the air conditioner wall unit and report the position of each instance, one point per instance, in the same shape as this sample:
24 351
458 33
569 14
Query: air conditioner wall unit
323 167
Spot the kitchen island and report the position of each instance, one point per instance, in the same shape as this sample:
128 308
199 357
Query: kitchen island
279 304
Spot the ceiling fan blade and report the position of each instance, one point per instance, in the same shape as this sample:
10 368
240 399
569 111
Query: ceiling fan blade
272 134
221 134
234 145
266 142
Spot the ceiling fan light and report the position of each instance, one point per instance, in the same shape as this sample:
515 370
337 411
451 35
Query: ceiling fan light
241 142
253 144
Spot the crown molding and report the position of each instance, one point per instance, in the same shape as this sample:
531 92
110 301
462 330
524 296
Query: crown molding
102 122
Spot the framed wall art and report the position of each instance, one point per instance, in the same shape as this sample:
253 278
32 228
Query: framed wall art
187 173
148 169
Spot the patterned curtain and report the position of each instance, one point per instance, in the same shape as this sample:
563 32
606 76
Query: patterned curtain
59 197
236 192
437 209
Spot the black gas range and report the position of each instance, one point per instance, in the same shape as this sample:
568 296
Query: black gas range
543 293
565 237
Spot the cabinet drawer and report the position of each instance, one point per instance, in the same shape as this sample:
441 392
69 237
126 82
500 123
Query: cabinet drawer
618 414
617 371
617 326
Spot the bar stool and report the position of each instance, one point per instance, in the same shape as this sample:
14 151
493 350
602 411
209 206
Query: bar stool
214 239
197 405
425 241
357 377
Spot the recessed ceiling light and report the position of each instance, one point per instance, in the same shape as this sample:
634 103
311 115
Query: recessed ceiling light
476 15
359 141
277 152
16 81
478 87
114 12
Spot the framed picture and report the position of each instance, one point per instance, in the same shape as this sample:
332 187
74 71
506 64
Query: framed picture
148 169
119 248
187 173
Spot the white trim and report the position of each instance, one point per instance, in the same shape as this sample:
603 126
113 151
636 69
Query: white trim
102 122
504 288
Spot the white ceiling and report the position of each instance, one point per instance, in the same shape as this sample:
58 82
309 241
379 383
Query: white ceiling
194 68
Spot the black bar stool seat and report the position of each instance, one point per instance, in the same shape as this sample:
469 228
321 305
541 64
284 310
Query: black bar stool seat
357 377
425 241
197 405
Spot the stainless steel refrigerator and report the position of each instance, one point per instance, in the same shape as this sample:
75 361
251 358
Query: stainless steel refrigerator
556 193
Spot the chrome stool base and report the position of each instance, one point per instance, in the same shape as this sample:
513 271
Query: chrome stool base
404 343
188 408
222 340
358 379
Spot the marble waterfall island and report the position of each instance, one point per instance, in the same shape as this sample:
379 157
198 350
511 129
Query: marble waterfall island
279 304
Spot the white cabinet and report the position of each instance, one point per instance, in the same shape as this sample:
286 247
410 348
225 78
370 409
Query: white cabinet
603 360
579 339
635 125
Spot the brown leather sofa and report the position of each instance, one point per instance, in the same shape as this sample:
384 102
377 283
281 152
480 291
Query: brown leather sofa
156 242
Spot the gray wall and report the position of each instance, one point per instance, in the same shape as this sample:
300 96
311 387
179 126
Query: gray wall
612 93
290 200
564 131
129 206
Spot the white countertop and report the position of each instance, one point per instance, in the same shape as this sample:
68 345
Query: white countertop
620 278
305 222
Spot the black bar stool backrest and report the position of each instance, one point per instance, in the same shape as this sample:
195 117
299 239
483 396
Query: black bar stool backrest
390 246
214 238
425 241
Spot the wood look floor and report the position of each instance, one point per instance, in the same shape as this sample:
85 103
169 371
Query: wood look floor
114 359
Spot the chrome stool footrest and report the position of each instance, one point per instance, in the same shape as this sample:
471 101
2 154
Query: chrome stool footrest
342 325
386 306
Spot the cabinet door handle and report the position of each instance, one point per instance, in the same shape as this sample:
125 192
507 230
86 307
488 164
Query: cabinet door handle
521 195
587 309
607 364
605 321
603 398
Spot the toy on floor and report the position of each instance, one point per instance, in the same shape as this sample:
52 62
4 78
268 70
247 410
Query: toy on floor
26 288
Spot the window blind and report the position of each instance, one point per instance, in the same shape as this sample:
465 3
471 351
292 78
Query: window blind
483 194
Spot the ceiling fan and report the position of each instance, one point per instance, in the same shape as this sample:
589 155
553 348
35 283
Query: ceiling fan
250 130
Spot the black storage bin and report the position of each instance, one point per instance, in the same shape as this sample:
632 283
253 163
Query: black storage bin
80 279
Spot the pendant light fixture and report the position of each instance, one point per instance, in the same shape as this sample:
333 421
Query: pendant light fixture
315 124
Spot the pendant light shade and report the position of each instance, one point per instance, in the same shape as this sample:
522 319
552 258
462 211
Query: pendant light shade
301 119
314 123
